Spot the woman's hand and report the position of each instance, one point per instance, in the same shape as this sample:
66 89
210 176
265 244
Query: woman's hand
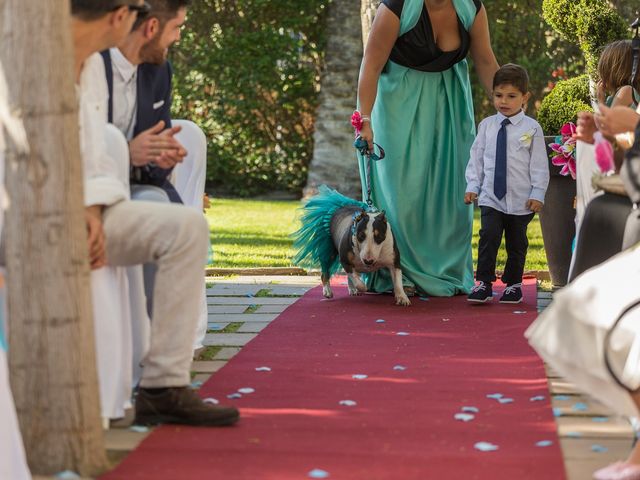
612 121
366 134
585 127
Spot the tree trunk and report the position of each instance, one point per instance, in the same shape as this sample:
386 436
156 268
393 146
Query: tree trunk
368 10
52 353
334 158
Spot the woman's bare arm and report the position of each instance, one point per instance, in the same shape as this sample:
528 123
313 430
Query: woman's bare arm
481 51
384 33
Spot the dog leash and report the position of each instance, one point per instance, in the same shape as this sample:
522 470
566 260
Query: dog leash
362 146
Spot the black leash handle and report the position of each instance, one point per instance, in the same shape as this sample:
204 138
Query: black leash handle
363 147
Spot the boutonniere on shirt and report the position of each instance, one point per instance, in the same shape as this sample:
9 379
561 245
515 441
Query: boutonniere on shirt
527 137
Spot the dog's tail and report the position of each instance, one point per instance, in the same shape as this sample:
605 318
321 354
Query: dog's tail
313 240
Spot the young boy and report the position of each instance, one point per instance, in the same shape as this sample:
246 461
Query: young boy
508 174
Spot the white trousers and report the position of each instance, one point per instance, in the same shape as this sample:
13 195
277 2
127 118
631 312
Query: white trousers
175 238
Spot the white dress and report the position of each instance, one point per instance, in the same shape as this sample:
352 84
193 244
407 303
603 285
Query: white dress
13 462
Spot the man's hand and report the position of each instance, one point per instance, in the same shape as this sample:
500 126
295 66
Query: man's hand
534 205
172 156
157 145
470 197
97 246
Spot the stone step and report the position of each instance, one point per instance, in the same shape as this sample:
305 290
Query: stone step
123 438
252 327
228 339
226 308
614 427
227 353
207 366
271 308
217 326
575 405
310 280
243 300
242 317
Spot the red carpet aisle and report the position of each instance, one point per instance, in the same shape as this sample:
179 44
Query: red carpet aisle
356 388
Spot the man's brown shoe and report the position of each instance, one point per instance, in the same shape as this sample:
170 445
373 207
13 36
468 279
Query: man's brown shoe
180 405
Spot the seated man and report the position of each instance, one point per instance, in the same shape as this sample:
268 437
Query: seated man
139 78
122 232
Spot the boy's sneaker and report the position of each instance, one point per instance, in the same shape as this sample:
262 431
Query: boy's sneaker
512 294
481 293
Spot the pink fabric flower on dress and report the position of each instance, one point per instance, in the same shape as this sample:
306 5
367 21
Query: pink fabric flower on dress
564 148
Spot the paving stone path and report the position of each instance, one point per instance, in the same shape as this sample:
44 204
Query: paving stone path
239 308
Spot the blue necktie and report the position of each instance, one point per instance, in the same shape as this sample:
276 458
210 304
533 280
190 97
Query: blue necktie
500 174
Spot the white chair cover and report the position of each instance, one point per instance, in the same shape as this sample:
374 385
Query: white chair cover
189 179
112 313
190 175
586 167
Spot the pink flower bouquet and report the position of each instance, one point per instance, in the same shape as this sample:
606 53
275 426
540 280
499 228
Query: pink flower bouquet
564 150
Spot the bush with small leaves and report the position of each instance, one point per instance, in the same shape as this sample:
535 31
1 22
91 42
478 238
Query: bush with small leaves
563 103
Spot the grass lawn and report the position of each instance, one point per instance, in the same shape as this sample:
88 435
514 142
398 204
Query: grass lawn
255 233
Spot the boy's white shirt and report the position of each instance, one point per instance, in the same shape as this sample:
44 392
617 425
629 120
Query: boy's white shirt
102 185
527 164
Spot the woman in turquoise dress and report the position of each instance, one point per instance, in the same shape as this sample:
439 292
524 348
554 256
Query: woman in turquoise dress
414 93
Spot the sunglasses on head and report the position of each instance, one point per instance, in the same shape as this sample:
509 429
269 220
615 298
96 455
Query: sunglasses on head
141 10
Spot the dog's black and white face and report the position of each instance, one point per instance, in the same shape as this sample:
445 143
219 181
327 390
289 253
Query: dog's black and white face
372 239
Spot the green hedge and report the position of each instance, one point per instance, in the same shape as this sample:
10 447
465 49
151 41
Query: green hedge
563 103
247 72
520 35
591 24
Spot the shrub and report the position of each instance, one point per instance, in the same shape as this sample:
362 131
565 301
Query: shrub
591 24
247 72
520 35
563 103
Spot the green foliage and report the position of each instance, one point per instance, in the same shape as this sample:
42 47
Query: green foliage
597 26
563 104
520 35
247 71
591 24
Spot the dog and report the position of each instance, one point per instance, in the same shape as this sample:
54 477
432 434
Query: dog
339 231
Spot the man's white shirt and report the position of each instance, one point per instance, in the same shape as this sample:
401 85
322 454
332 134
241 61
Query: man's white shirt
125 93
102 185
527 164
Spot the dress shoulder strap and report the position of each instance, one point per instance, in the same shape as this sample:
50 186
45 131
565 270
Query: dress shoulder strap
467 10
411 11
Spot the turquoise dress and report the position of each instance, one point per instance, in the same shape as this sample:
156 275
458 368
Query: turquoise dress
424 121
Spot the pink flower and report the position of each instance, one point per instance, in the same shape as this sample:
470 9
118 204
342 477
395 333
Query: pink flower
604 154
567 130
564 148
356 122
